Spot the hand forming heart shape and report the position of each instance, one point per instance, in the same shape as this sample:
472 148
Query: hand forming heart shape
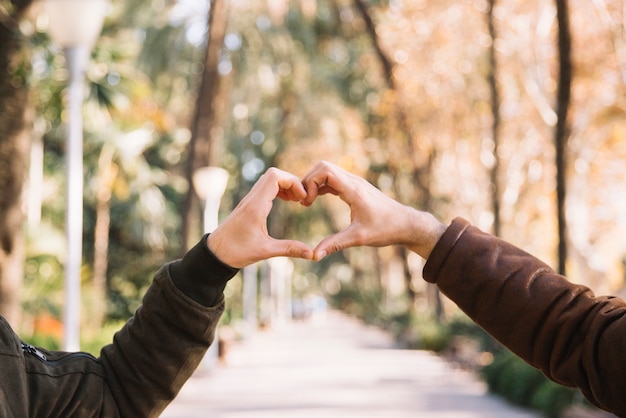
375 218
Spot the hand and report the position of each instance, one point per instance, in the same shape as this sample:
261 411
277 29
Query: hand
376 219
242 238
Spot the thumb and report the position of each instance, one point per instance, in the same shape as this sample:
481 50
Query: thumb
291 248
333 243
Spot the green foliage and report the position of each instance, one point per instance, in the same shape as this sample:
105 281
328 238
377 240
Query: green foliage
430 335
91 342
521 384
420 332
146 194
461 324
49 342
43 285
362 303
552 399
512 378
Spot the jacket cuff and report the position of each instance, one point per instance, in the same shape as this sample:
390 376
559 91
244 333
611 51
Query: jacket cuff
200 275
443 247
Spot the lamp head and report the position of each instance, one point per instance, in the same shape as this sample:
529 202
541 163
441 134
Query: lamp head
75 23
210 182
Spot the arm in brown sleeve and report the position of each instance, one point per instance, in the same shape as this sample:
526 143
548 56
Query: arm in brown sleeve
576 338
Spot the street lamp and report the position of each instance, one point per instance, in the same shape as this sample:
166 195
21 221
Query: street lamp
75 26
210 184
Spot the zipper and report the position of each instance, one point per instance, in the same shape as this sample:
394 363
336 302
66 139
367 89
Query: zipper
32 350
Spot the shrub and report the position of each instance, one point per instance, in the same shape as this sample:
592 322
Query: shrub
552 399
521 384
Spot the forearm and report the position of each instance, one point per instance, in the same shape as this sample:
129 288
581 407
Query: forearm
575 337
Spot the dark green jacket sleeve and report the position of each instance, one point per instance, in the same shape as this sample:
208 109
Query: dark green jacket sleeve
142 370
576 338
160 347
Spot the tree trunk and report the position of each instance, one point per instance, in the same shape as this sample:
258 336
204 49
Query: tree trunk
495 128
107 172
202 149
420 170
15 116
562 127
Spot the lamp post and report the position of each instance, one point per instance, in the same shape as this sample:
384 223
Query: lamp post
74 25
210 184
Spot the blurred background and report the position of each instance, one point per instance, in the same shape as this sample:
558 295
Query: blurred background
508 113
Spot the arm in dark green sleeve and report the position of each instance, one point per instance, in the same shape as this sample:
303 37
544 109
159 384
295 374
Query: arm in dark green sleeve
201 275
159 348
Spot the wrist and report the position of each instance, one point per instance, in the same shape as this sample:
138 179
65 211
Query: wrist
201 275
222 251
214 245
425 231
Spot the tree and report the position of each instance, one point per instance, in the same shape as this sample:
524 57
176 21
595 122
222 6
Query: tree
107 171
205 126
420 166
561 132
125 176
15 115
495 127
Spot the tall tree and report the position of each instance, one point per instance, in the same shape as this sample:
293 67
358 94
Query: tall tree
107 171
561 133
495 127
15 115
421 165
204 132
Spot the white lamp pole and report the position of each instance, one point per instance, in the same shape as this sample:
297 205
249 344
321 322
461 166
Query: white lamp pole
210 184
75 26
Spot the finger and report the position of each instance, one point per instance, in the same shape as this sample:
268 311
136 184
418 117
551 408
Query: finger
318 181
312 191
294 192
278 183
312 182
290 187
327 190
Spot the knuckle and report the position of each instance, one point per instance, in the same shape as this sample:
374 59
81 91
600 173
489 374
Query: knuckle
334 247
272 172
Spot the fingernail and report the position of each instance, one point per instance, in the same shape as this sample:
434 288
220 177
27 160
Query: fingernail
321 255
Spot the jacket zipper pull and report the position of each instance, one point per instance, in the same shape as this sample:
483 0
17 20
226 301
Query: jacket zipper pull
27 348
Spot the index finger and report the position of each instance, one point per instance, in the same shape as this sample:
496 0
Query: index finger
279 183
321 179
275 183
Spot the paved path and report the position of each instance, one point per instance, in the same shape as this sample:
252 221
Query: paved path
337 368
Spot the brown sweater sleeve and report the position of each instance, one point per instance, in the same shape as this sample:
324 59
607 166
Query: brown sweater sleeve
576 338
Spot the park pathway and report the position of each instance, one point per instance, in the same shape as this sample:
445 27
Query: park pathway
333 367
